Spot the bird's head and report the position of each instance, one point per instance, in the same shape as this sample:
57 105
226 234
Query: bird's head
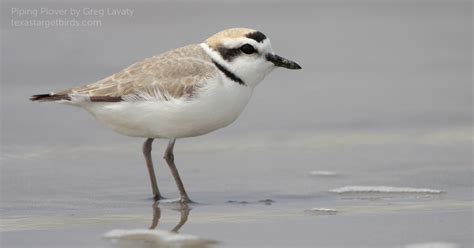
246 53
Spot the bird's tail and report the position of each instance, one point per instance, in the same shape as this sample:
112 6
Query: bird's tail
50 97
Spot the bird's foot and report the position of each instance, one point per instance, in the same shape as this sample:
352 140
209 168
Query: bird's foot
185 200
158 198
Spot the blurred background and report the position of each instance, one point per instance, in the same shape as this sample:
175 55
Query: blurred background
384 98
366 64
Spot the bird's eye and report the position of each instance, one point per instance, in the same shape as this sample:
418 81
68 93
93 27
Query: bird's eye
247 48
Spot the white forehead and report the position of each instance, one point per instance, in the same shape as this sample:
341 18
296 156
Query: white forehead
263 45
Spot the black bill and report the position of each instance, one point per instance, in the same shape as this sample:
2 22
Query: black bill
282 62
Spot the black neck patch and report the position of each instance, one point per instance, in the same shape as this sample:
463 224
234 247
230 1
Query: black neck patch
258 36
229 74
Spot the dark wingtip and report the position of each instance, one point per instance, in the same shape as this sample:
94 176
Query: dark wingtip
39 97
50 97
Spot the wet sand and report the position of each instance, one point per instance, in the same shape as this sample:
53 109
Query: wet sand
252 196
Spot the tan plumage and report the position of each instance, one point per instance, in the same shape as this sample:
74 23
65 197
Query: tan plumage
174 74
229 34
177 73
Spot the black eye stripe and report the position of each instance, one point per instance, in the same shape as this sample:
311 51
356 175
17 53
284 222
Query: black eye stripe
229 53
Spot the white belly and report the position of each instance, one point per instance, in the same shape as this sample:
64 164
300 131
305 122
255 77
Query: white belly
212 109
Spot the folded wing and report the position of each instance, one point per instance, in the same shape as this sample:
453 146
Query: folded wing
175 74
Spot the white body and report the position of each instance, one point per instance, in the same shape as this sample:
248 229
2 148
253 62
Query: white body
216 106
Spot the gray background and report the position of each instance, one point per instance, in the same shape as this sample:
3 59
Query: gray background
384 98
366 64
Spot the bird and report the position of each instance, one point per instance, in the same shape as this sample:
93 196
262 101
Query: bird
185 92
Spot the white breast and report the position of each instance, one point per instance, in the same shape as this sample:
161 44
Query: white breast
215 106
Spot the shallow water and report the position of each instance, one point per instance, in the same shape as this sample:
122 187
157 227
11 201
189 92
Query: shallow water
251 197
370 145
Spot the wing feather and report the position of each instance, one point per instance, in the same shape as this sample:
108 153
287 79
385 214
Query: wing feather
175 74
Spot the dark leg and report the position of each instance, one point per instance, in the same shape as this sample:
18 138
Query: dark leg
169 157
151 171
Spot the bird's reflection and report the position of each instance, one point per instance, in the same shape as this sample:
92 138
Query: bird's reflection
183 208
155 237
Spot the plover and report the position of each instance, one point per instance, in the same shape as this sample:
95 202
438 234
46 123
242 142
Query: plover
185 92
